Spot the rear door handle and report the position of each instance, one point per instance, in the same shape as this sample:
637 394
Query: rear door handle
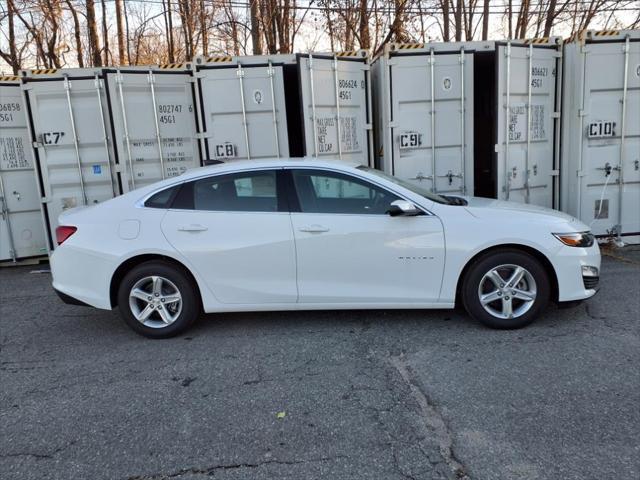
192 228
314 229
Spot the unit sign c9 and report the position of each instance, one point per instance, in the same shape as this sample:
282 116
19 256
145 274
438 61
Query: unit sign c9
410 140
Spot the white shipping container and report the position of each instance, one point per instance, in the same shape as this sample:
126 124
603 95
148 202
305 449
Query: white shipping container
21 230
153 122
285 106
471 117
601 132
98 133
69 122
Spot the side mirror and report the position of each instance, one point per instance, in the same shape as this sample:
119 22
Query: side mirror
403 208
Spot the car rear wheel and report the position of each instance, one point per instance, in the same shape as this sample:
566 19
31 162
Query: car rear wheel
158 300
506 289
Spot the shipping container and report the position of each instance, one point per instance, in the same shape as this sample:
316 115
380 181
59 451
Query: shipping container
153 121
476 118
99 133
298 105
601 132
21 228
68 113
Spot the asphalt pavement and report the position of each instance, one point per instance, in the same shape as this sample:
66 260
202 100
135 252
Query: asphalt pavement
321 395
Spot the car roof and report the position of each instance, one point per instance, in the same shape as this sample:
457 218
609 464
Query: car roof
267 163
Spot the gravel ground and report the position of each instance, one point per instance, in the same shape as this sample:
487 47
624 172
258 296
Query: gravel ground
332 395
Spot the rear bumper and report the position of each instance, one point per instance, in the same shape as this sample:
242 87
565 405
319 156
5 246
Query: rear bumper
81 275
69 300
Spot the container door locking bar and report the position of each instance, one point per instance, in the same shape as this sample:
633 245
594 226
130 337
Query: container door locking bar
151 79
67 87
240 74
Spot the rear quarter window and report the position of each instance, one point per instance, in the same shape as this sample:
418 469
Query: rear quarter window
163 198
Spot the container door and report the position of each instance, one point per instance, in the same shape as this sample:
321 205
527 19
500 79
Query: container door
73 150
432 120
21 230
526 124
154 125
335 102
611 162
243 112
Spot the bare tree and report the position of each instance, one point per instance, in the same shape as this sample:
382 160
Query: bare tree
256 33
105 34
94 42
485 20
120 27
11 57
77 33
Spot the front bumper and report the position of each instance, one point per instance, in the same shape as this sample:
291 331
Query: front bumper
568 264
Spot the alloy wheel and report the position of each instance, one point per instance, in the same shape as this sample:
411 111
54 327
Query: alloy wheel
507 291
155 301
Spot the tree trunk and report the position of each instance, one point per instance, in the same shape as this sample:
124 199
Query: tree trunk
126 26
120 28
458 20
256 35
105 34
172 46
77 34
12 59
550 17
203 29
485 20
446 34
94 42
365 38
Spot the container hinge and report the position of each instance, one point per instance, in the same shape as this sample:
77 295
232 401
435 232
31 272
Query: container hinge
497 148
582 113
37 144
557 54
368 126
202 136
584 49
555 173
581 173
555 115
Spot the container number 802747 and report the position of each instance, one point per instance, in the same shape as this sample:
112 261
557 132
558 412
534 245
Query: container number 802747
167 112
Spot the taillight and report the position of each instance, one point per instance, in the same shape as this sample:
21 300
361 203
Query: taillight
64 232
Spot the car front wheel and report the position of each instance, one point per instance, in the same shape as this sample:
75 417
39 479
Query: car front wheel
506 289
158 300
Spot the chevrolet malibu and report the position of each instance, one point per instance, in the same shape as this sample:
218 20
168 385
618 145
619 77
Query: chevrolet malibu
308 235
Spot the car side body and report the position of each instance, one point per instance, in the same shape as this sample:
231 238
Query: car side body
336 260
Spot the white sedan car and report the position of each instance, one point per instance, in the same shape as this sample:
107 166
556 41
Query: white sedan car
305 235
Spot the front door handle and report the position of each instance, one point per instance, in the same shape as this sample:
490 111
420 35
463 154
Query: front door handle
194 227
314 229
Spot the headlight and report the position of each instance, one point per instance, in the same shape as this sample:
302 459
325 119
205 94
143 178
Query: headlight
581 239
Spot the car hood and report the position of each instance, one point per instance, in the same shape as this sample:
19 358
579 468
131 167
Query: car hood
487 208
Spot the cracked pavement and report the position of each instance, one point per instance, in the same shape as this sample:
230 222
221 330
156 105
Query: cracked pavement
361 395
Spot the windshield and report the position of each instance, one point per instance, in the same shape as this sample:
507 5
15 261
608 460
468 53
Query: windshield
409 186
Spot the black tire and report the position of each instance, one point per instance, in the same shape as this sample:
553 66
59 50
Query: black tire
508 258
174 278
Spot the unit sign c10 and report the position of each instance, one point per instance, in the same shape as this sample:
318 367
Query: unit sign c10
601 129
410 140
